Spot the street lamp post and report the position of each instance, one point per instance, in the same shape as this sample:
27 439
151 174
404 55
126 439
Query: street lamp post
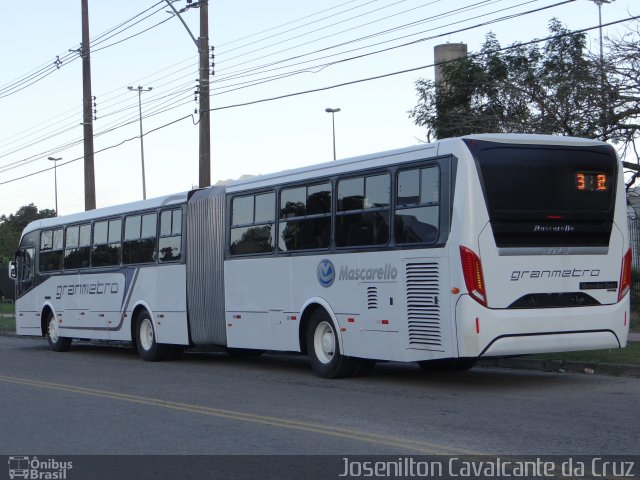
602 75
55 178
140 90
333 111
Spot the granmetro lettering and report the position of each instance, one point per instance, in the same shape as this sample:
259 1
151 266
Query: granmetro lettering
517 275
97 288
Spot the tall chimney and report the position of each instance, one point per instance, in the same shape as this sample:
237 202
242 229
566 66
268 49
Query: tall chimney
445 53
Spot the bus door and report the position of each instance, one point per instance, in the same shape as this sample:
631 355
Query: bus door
26 270
27 314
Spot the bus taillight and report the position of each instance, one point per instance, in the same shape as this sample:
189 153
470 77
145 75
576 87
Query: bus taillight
472 271
625 275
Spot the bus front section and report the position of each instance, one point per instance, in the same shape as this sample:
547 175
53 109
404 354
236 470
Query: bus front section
546 266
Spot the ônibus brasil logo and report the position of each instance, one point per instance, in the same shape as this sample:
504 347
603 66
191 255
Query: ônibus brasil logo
326 273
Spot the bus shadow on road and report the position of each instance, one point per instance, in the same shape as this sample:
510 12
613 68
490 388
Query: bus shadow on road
391 374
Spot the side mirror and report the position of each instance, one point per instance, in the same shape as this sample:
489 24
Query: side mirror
13 270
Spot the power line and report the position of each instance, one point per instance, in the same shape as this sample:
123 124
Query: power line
40 73
103 102
310 69
432 37
339 85
444 14
252 83
414 69
293 21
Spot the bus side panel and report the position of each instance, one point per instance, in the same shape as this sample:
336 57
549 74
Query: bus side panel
163 290
388 305
27 314
257 299
71 294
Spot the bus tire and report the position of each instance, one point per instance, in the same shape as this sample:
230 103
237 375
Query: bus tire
448 365
56 342
324 349
148 348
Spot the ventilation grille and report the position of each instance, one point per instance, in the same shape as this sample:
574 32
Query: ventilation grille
372 298
423 311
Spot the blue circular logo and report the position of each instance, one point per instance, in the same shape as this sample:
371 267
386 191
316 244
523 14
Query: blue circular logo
326 273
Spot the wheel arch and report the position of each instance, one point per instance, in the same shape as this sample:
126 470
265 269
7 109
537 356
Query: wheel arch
46 310
137 310
308 309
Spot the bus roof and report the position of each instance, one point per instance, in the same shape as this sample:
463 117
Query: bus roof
114 210
406 154
534 139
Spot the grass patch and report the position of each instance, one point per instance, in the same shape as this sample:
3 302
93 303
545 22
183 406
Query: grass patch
7 324
635 322
7 307
628 356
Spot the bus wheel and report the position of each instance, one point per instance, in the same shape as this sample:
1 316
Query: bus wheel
324 350
148 348
448 365
56 342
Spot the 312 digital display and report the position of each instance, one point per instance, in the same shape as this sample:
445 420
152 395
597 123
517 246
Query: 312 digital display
592 182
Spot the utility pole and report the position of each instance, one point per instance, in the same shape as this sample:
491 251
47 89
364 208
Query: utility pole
204 124
204 175
141 89
87 115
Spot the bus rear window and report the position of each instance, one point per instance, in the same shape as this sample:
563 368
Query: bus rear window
547 196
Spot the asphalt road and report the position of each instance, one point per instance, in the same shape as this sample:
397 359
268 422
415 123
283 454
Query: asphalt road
104 400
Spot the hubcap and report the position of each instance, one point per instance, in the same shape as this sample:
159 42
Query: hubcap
146 334
324 342
53 330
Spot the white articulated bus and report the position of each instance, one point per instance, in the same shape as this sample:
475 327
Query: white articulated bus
441 254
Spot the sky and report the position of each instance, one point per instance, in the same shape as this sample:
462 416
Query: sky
262 50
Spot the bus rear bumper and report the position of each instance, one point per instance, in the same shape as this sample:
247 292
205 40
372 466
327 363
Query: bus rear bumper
484 332
553 342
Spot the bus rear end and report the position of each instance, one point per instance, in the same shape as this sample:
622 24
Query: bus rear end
545 264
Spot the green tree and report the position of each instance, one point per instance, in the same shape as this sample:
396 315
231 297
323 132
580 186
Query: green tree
555 87
11 228
624 73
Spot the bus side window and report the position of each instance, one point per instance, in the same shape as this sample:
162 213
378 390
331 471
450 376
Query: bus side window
252 224
107 240
77 253
139 245
417 205
170 241
362 218
305 218
51 250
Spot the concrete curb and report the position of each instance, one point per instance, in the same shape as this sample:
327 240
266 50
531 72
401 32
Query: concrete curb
563 366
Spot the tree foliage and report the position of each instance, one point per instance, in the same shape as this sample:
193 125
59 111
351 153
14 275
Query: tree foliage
11 228
553 87
624 67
